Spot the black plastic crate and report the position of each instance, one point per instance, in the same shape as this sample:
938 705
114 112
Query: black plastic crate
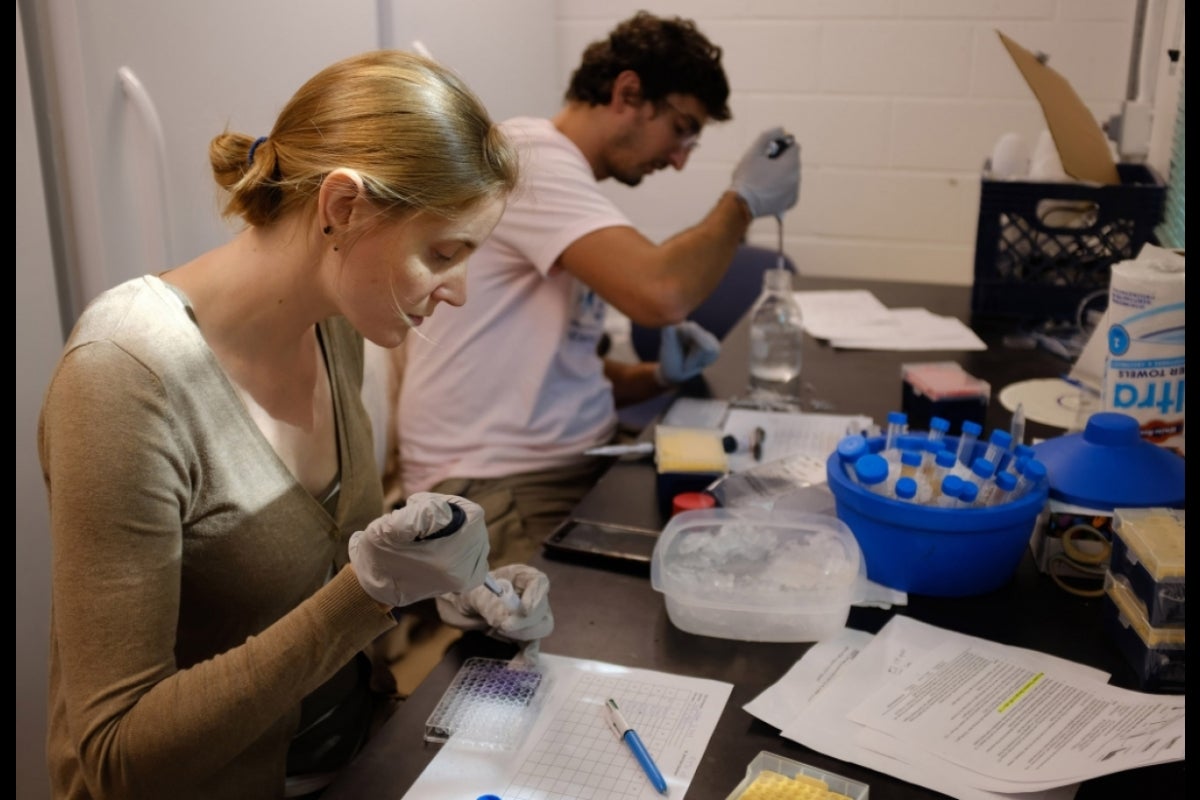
1041 247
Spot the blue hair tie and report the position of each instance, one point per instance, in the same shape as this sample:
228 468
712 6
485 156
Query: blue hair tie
253 147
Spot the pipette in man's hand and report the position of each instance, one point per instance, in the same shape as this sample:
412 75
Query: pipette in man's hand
777 146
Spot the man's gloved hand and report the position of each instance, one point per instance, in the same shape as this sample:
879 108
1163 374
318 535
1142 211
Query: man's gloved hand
436 543
520 614
685 350
768 185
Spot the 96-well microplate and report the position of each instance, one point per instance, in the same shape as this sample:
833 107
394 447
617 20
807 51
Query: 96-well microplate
490 704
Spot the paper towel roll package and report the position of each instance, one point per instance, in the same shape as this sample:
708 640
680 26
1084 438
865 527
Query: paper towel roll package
1144 365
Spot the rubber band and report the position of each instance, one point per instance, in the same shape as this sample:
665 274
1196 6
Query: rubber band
1066 587
1080 556
253 147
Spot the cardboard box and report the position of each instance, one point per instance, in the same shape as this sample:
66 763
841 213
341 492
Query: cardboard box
1082 146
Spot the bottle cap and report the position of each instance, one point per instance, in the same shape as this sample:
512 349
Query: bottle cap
971 427
939 424
692 501
945 458
910 458
897 418
906 488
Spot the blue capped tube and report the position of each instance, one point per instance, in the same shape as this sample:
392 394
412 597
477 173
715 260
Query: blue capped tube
998 490
966 441
849 450
950 488
872 471
1030 478
967 495
897 426
999 443
906 489
938 428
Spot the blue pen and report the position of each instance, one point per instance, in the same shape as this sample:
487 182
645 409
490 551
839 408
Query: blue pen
628 735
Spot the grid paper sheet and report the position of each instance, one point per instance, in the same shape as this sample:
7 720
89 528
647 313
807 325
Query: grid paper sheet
571 754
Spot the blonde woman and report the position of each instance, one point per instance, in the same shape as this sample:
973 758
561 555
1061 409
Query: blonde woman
219 562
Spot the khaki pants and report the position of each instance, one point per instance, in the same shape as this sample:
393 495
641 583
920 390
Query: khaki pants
522 510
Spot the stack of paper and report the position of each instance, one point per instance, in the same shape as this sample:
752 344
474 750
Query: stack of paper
855 319
968 717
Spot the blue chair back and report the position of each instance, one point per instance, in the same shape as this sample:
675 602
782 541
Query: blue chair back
727 304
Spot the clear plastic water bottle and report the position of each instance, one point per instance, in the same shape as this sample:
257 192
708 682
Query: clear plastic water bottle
776 339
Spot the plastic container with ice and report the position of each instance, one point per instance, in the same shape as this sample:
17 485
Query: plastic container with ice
750 575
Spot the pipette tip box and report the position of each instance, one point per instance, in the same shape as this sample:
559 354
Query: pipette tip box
942 389
490 704
772 777
1148 555
1157 655
686 460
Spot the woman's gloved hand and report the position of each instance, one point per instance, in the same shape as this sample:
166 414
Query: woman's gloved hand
684 351
520 614
436 543
770 186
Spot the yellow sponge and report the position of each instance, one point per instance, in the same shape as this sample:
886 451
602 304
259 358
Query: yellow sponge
689 450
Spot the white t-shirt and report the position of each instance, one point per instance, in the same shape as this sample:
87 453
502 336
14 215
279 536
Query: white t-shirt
511 382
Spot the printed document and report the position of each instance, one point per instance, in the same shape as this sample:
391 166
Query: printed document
812 702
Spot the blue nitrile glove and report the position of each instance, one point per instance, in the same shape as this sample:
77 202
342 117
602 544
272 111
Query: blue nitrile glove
685 350
436 543
770 186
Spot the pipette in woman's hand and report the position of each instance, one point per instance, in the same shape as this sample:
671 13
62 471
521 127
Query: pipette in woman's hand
457 518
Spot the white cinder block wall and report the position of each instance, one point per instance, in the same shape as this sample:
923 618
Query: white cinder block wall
896 104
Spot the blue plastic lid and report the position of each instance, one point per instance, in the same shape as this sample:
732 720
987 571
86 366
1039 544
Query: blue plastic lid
983 468
906 488
939 424
971 427
934 446
1109 465
851 447
1001 438
910 441
910 458
1023 451
1033 469
1006 481
897 418
952 485
871 469
945 458
969 492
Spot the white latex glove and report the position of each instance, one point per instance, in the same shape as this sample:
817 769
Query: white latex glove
685 350
520 614
422 550
770 186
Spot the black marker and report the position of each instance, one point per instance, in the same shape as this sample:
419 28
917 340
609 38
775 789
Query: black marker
756 445
776 147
